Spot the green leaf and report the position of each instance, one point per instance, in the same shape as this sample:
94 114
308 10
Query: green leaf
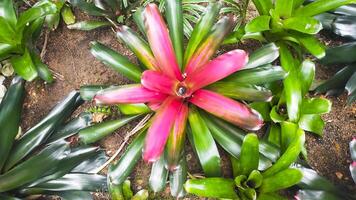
263 6
344 26
88 25
281 180
134 109
204 144
45 162
98 131
138 46
241 91
286 57
87 92
42 69
306 76
249 156
258 75
52 21
312 123
270 196
255 177
212 187
316 195
119 171
284 8
73 195
276 116
24 66
307 25
35 13
274 134
138 18
351 89
264 55
126 189
258 24
177 179
5 49
293 95
289 156
70 182
10 116
38 134
7 11
141 195
230 138
311 44
7 33
316 106
263 108
89 8
174 16
201 29
67 15
116 61
288 134
338 81
343 54
115 191
159 174
320 6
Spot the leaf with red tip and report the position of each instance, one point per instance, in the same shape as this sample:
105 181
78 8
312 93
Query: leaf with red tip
138 46
228 109
217 69
160 42
208 47
156 81
134 93
175 141
160 128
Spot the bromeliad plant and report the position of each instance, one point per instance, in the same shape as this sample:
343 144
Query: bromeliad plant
249 182
41 162
353 158
341 22
178 97
18 36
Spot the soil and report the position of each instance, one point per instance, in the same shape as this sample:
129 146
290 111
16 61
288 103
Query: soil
69 57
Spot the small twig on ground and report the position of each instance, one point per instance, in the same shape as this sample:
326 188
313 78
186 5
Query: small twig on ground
44 47
137 128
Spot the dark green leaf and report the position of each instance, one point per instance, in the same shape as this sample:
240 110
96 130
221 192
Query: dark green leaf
258 75
116 61
265 55
159 174
138 18
89 8
10 115
36 12
351 89
281 180
212 187
258 24
338 81
177 179
270 196
242 91
174 15
88 25
35 167
74 195
42 131
92 164
119 171
344 26
42 69
204 144
87 92
343 54
98 131
316 195
52 21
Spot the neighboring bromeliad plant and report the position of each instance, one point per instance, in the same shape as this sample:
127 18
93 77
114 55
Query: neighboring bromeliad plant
18 36
249 182
41 162
342 22
353 158
179 86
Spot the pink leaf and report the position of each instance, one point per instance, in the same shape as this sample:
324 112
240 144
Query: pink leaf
160 42
134 93
160 128
217 69
159 82
228 109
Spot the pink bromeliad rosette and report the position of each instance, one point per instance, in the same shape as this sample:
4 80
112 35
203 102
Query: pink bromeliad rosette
170 91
